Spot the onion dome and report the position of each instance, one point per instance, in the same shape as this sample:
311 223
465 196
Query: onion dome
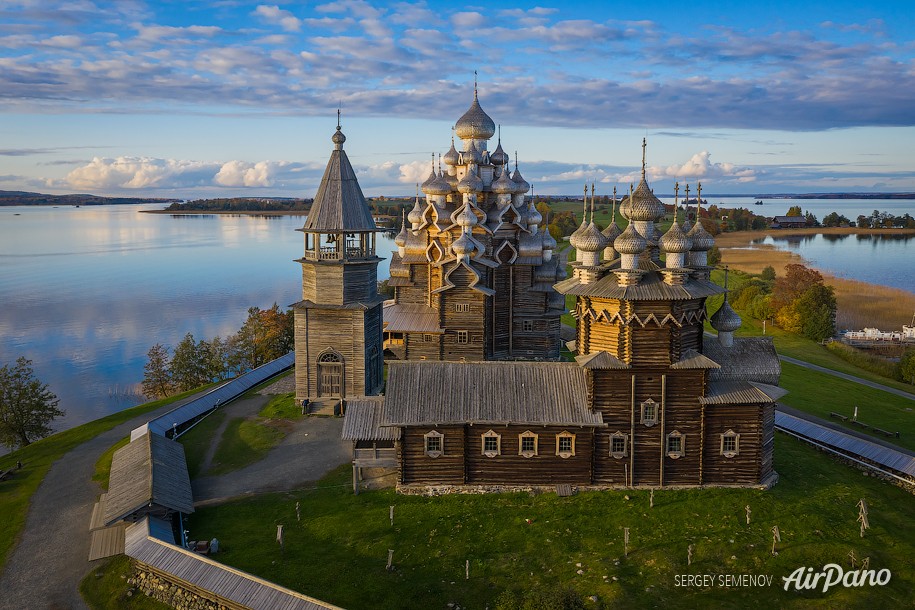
589 239
472 154
416 214
725 319
475 123
432 178
504 184
470 183
338 138
629 241
611 232
676 241
643 205
521 185
687 225
548 242
702 241
466 219
534 217
463 245
545 273
439 186
451 180
401 239
498 156
451 157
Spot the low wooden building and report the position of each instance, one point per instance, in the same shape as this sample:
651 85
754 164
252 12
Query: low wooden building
789 222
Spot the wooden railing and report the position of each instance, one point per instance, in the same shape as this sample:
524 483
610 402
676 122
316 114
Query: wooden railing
331 253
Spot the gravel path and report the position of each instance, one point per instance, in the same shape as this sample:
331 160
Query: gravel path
51 558
311 449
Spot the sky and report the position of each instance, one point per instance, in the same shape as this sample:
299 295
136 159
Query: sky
223 98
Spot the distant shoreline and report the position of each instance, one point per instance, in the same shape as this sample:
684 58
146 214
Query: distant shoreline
228 212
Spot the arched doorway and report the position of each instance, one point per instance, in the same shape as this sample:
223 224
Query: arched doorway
330 374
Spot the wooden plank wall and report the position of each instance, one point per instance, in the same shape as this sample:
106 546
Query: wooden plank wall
360 282
545 468
745 420
374 370
417 467
474 321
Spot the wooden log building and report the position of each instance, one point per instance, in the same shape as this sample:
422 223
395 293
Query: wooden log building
648 402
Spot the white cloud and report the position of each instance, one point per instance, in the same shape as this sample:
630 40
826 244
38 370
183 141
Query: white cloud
416 171
701 166
275 15
241 173
138 172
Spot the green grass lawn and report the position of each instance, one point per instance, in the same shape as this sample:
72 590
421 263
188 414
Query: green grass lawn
337 552
104 589
821 393
16 492
282 406
197 440
244 442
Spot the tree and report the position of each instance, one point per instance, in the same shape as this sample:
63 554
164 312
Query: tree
794 210
215 355
188 366
714 256
768 273
157 378
816 310
26 405
792 285
907 365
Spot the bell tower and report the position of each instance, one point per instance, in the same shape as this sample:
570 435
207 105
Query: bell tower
338 336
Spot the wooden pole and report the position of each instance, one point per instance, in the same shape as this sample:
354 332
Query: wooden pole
651 499
298 512
632 435
467 570
663 440
355 481
625 542
392 516
390 565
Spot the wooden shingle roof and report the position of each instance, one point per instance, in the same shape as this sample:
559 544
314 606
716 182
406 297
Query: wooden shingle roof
741 393
223 581
600 360
539 393
411 317
748 359
363 421
650 288
339 205
692 359
148 470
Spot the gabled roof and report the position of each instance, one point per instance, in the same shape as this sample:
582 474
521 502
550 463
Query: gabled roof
339 206
748 359
150 470
440 393
600 360
691 359
363 421
741 393
411 318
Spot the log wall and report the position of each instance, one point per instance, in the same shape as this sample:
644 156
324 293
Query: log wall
417 467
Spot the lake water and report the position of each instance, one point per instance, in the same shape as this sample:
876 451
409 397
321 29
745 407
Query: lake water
85 292
878 259
850 208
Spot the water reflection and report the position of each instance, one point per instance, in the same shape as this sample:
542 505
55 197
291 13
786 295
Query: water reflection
87 291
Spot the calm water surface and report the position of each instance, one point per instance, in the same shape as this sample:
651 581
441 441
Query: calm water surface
86 291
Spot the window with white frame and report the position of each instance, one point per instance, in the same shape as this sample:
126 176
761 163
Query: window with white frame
676 445
427 338
565 444
649 412
462 336
461 307
730 444
527 444
492 444
435 443
619 445
527 326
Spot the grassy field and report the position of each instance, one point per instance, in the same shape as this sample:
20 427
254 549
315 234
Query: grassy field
521 542
16 492
244 442
282 406
103 588
197 440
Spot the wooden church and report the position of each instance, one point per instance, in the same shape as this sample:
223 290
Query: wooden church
649 400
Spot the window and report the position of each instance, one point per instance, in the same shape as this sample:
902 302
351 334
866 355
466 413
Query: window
565 444
492 444
619 445
676 444
527 326
461 307
527 444
649 412
427 338
462 336
730 444
435 442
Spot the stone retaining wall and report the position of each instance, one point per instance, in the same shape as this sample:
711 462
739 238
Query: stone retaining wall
157 586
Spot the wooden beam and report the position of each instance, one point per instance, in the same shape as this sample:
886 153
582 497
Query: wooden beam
632 435
663 440
701 441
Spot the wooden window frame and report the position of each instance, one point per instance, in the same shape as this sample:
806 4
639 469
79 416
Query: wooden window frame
434 434
427 338
463 337
730 434
565 434
461 307
527 326
491 435
651 405
678 453
616 436
527 434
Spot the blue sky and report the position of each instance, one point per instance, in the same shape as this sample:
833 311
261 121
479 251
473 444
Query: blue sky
220 98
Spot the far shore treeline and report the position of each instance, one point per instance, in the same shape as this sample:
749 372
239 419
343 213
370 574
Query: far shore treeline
265 335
